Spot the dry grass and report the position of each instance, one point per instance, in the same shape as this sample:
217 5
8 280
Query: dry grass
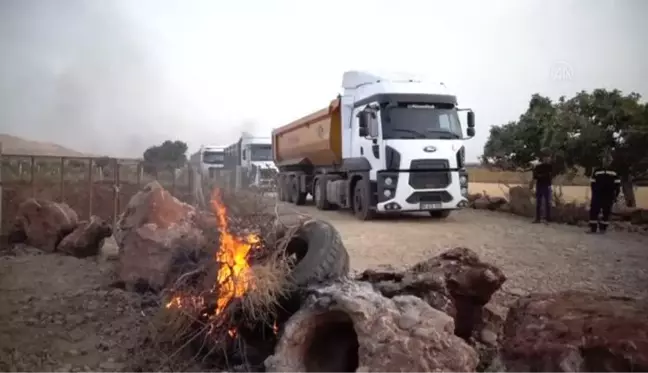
571 193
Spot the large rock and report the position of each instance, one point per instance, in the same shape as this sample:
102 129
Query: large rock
153 233
576 332
347 326
86 239
522 201
456 282
42 223
488 203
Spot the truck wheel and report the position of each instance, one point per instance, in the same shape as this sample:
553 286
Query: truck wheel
319 194
321 256
439 214
361 206
296 197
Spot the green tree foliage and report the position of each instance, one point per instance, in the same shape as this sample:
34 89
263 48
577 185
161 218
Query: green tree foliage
170 155
577 132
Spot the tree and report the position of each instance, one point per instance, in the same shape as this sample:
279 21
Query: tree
577 132
170 155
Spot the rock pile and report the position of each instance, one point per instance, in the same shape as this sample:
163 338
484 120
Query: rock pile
521 202
55 227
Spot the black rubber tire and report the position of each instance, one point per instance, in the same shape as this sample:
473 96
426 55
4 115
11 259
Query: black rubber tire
361 207
319 194
296 197
439 214
326 257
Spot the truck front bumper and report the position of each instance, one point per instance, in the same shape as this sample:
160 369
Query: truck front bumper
404 198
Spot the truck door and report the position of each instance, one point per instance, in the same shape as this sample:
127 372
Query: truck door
369 144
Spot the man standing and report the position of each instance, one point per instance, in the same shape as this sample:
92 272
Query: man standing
606 186
542 177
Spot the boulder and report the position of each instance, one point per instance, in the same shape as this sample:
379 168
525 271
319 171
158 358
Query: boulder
153 233
522 201
639 217
485 202
347 326
43 223
570 213
456 282
473 197
86 239
576 332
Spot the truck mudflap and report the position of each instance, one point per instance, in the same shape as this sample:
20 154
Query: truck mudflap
403 198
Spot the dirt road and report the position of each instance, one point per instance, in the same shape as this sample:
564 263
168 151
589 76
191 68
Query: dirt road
534 257
60 313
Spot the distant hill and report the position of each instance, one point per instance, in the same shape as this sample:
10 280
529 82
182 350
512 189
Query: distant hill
20 146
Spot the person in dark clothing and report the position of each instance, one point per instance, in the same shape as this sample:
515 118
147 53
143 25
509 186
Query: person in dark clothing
542 177
606 186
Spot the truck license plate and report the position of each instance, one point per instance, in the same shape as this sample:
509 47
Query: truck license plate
430 206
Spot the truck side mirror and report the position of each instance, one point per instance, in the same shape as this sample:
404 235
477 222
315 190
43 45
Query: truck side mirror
471 120
363 123
373 125
470 131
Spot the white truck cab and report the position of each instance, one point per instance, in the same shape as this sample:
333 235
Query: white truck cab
256 160
386 144
410 134
208 160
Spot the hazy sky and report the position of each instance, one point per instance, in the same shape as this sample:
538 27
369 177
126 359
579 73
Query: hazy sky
113 77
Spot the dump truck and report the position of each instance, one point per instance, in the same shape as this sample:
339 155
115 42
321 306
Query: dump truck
386 144
249 162
208 160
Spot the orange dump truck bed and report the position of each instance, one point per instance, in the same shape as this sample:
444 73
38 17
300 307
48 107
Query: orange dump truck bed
316 137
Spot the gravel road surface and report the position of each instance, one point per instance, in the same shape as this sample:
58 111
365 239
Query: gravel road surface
535 257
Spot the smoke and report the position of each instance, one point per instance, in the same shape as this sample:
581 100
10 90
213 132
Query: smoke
73 73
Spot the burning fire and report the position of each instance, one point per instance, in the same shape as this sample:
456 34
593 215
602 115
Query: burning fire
233 275
233 279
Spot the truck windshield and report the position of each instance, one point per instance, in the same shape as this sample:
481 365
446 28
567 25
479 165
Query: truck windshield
420 121
261 152
213 157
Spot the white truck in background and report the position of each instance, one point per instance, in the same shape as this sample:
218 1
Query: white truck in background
249 161
387 144
208 161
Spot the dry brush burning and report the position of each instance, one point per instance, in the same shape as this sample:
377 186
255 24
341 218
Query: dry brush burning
240 291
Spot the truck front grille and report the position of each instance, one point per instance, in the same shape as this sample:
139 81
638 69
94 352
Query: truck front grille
429 174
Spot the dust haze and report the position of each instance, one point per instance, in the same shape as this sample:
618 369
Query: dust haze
76 75
114 77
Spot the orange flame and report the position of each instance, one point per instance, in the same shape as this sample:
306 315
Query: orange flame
233 277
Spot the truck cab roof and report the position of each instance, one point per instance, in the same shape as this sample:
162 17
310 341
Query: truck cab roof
362 85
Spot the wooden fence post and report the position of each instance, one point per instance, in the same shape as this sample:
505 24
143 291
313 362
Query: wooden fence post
32 171
62 180
90 187
116 188
1 195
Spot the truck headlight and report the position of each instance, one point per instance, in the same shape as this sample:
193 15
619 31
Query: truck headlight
464 191
387 193
463 180
389 181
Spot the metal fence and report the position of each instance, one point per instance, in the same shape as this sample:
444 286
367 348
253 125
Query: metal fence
90 185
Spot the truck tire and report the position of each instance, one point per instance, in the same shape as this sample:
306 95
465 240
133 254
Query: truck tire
296 197
321 254
319 194
361 206
439 214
